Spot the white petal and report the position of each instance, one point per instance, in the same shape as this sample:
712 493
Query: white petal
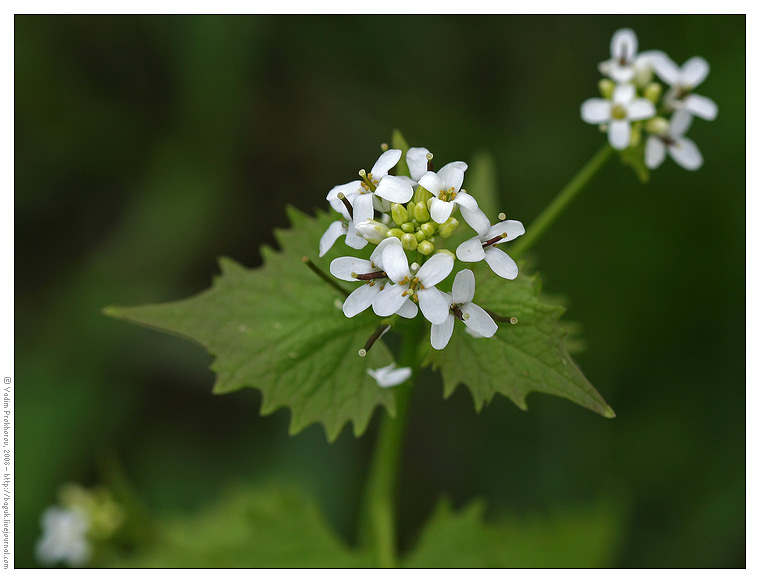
416 159
353 239
440 334
385 162
348 188
363 210
408 309
377 254
335 230
471 250
463 289
501 263
624 45
693 72
686 153
433 304
595 110
679 123
667 70
622 73
476 218
344 267
620 134
360 299
513 229
650 59
435 269
701 106
624 93
389 300
440 210
465 200
654 154
395 189
640 109
431 182
390 376
478 320
452 175
394 262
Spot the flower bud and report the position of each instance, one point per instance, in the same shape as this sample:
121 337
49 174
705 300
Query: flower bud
372 230
428 228
421 213
635 134
420 236
421 195
448 228
399 213
408 228
409 242
398 233
658 126
643 76
606 88
425 247
653 92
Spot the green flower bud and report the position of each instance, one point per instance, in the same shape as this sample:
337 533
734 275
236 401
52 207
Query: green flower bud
653 92
421 195
643 76
635 134
421 212
408 228
425 247
399 214
420 236
398 233
658 126
429 228
409 242
606 88
448 228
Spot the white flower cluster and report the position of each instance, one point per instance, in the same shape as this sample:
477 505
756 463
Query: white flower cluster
633 103
409 219
69 528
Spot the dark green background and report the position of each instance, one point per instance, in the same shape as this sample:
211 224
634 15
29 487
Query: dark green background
146 147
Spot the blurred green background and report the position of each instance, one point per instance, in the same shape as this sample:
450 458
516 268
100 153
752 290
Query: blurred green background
147 146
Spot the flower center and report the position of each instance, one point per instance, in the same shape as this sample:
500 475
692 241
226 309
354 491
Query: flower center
369 184
447 195
494 241
618 112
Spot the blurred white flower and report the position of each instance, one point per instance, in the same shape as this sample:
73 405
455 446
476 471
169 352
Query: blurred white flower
681 149
682 82
64 537
618 113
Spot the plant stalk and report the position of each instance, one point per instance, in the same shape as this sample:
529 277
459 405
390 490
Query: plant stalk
555 208
378 513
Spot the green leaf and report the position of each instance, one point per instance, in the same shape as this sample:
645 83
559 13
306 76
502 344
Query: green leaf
566 538
280 328
521 358
270 527
482 184
399 143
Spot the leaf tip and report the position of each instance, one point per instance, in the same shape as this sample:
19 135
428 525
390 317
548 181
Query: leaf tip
608 412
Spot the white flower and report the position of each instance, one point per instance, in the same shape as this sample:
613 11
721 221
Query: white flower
623 47
375 278
624 108
682 82
445 187
474 317
390 376
626 64
681 149
64 537
484 247
420 285
361 193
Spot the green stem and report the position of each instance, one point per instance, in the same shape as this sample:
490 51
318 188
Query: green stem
555 208
378 515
